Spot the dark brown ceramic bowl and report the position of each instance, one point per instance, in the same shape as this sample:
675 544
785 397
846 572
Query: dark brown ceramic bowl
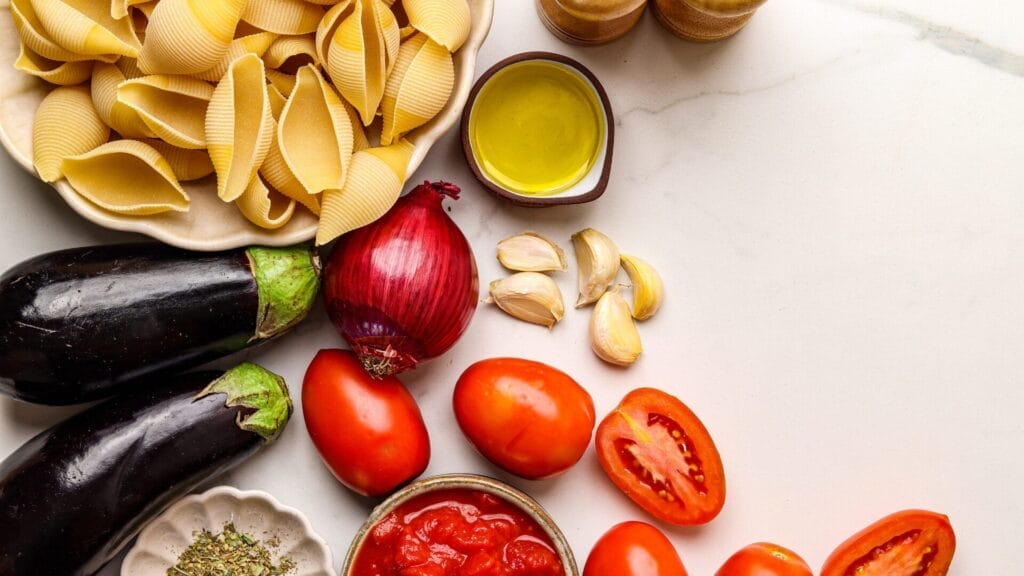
465 482
586 190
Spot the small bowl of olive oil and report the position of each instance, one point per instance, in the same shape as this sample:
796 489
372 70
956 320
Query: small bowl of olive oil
538 131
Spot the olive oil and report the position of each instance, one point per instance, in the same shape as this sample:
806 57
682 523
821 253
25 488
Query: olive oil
537 127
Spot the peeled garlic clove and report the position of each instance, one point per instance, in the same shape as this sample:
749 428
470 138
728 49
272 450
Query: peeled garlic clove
648 289
598 260
613 335
529 296
530 252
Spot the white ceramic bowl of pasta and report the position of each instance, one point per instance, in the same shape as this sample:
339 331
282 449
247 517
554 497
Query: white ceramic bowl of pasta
209 224
253 512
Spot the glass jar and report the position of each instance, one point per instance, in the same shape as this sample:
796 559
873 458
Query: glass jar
704 20
590 22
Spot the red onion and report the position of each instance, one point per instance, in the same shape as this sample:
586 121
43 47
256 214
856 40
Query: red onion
404 288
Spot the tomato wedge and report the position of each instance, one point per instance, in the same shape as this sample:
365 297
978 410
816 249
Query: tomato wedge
907 543
658 453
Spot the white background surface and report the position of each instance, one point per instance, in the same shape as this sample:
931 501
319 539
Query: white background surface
835 201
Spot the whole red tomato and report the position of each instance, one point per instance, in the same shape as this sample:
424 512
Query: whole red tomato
907 543
658 453
526 417
764 559
633 549
369 433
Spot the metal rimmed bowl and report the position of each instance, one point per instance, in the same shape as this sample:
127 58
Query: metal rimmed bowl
210 224
253 512
465 482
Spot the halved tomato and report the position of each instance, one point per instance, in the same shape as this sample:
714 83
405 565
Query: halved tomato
658 452
907 543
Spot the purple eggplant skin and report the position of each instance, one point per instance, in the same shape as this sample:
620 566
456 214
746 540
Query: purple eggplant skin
72 496
86 323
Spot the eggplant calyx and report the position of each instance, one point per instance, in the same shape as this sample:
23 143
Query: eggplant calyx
263 393
287 280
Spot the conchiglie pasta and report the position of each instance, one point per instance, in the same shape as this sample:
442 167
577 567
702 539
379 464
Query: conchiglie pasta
126 177
173 107
374 183
37 39
418 88
257 44
119 116
315 134
285 83
328 26
447 22
263 206
66 124
239 126
86 27
59 73
188 37
289 53
283 16
120 8
277 173
186 164
361 54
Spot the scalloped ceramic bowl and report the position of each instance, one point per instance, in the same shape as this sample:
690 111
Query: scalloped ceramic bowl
253 512
209 224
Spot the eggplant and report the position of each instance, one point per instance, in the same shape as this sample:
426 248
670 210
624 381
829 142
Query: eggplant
86 323
72 496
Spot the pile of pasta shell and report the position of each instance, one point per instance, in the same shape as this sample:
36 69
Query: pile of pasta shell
292 104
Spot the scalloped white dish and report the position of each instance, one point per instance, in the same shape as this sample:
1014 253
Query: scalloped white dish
253 512
209 224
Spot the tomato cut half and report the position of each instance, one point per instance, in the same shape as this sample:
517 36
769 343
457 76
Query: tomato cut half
907 543
658 453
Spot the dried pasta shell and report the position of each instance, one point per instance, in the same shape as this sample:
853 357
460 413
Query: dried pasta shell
374 182
263 206
328 26
127 177
418 88
174 107
447 22
289 53
239 126
186 164
86 27
54 72
315 134
37 39
277 173
257 44
277 101
285 83
188 37
361 54
120 8
123 119
129 67
359 139
283 16
66 124
325 2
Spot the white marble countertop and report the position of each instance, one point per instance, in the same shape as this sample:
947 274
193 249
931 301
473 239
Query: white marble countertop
835 200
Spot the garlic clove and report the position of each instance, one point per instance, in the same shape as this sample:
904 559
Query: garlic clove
530 252
597 258
613 335
648 289
529 296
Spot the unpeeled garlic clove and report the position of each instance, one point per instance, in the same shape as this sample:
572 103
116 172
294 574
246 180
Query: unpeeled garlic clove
597 258
530 252
529 296
648 289
613 335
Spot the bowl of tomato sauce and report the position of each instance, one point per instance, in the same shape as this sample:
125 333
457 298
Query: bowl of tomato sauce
459 525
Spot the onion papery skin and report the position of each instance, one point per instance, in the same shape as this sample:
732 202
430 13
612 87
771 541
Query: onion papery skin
404 288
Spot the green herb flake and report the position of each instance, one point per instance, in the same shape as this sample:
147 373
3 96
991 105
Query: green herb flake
229 553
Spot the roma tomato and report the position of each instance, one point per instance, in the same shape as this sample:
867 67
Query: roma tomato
369 433
907 543
633 549
764 559
658 452
526 417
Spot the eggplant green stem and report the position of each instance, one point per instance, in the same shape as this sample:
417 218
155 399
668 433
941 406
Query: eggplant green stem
287 280
260 390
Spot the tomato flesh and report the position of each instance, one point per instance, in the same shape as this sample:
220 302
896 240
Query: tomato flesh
764 559
633 549
907 543
658 452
